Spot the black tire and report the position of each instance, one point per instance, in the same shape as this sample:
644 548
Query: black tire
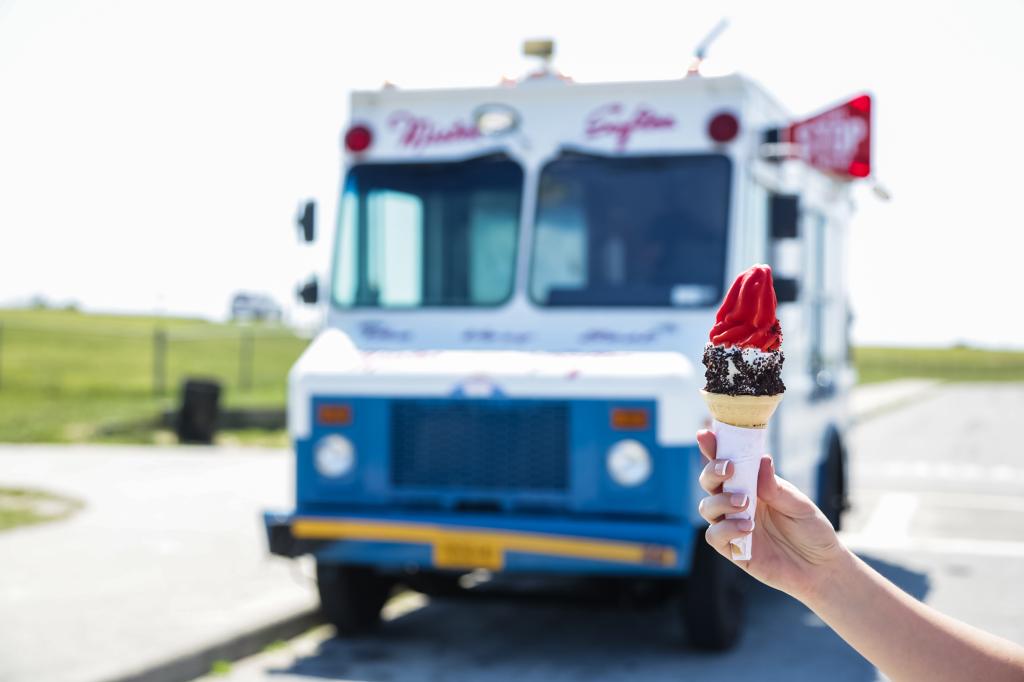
832 486
351 597
713 606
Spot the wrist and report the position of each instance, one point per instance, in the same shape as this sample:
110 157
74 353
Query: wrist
831 579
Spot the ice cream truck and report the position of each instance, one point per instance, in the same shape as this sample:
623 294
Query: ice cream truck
523 281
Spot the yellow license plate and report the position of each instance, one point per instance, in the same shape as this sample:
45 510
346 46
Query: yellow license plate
458 553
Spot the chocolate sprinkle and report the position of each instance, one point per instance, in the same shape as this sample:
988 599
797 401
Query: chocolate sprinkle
763 376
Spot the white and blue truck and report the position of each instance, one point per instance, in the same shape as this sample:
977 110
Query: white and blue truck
523 281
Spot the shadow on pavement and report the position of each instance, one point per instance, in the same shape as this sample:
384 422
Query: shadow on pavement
580 635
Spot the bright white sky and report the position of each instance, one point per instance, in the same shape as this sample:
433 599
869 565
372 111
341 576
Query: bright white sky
152 153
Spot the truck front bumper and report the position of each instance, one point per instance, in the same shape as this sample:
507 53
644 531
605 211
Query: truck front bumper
462 542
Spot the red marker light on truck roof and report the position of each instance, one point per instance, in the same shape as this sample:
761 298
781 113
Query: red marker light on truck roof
358 138
723 127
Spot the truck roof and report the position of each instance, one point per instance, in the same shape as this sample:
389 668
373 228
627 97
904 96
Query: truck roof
637 117
545 87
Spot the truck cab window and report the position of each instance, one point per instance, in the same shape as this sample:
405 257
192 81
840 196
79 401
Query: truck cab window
631 231
428 234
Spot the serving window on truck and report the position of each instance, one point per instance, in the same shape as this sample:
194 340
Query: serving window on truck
631 231
428 234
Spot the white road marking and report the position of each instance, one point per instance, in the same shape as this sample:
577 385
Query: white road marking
860 542
998 503
890 522
951 500
887 529
947 471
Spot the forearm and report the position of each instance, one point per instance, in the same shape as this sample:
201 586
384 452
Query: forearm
904 638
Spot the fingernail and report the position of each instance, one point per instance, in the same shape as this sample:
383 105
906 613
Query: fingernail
738 500
745 524
721 466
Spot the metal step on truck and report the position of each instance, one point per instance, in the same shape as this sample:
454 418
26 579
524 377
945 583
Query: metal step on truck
523 281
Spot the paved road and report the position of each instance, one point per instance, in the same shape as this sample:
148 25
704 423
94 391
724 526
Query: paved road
167 557
938 489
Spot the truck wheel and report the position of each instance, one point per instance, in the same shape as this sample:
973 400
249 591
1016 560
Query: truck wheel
713 601
832 486
351 597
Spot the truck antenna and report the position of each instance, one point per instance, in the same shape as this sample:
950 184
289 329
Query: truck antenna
701 51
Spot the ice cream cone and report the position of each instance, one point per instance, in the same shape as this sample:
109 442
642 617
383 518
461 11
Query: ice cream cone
744 359
745 411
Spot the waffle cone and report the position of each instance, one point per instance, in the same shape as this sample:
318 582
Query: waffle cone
745 411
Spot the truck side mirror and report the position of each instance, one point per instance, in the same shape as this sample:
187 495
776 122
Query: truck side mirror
309 292
784 215
306 221
785 289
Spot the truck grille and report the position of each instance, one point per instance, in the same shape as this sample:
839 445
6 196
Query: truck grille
479 445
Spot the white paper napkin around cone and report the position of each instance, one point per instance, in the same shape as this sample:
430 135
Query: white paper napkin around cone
744 448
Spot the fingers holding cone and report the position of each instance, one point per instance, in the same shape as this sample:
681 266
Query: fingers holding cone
716 471
713 508
721 535
707 443
722 532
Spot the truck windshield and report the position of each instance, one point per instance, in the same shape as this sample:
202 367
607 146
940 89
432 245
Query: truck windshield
428 234
638 231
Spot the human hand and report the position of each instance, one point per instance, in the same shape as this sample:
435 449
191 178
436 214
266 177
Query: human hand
794 545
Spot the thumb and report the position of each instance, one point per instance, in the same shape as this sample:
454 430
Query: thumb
780 494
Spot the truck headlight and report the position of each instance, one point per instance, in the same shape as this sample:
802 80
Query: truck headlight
334 456
629 463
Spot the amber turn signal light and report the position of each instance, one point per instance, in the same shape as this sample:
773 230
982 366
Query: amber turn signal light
334 415
630 419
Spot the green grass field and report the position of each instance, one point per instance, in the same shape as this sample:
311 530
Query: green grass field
72 377
69 377
876 364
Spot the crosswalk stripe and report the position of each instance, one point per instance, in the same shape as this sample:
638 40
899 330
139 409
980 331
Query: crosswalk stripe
953 471
890 521
995 548
952 500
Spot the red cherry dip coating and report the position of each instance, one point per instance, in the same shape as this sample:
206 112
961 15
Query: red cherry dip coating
747 316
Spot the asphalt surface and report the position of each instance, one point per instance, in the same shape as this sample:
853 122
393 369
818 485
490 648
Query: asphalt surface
167 557
938 494
165 570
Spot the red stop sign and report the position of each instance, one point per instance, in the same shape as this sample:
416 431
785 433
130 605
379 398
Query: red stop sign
837 140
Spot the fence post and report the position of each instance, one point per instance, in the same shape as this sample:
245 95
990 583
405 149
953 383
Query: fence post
1 354
245 359
159 360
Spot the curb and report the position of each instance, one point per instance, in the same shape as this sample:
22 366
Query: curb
197 663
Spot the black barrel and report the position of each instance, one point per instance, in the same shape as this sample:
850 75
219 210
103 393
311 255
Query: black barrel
200 409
